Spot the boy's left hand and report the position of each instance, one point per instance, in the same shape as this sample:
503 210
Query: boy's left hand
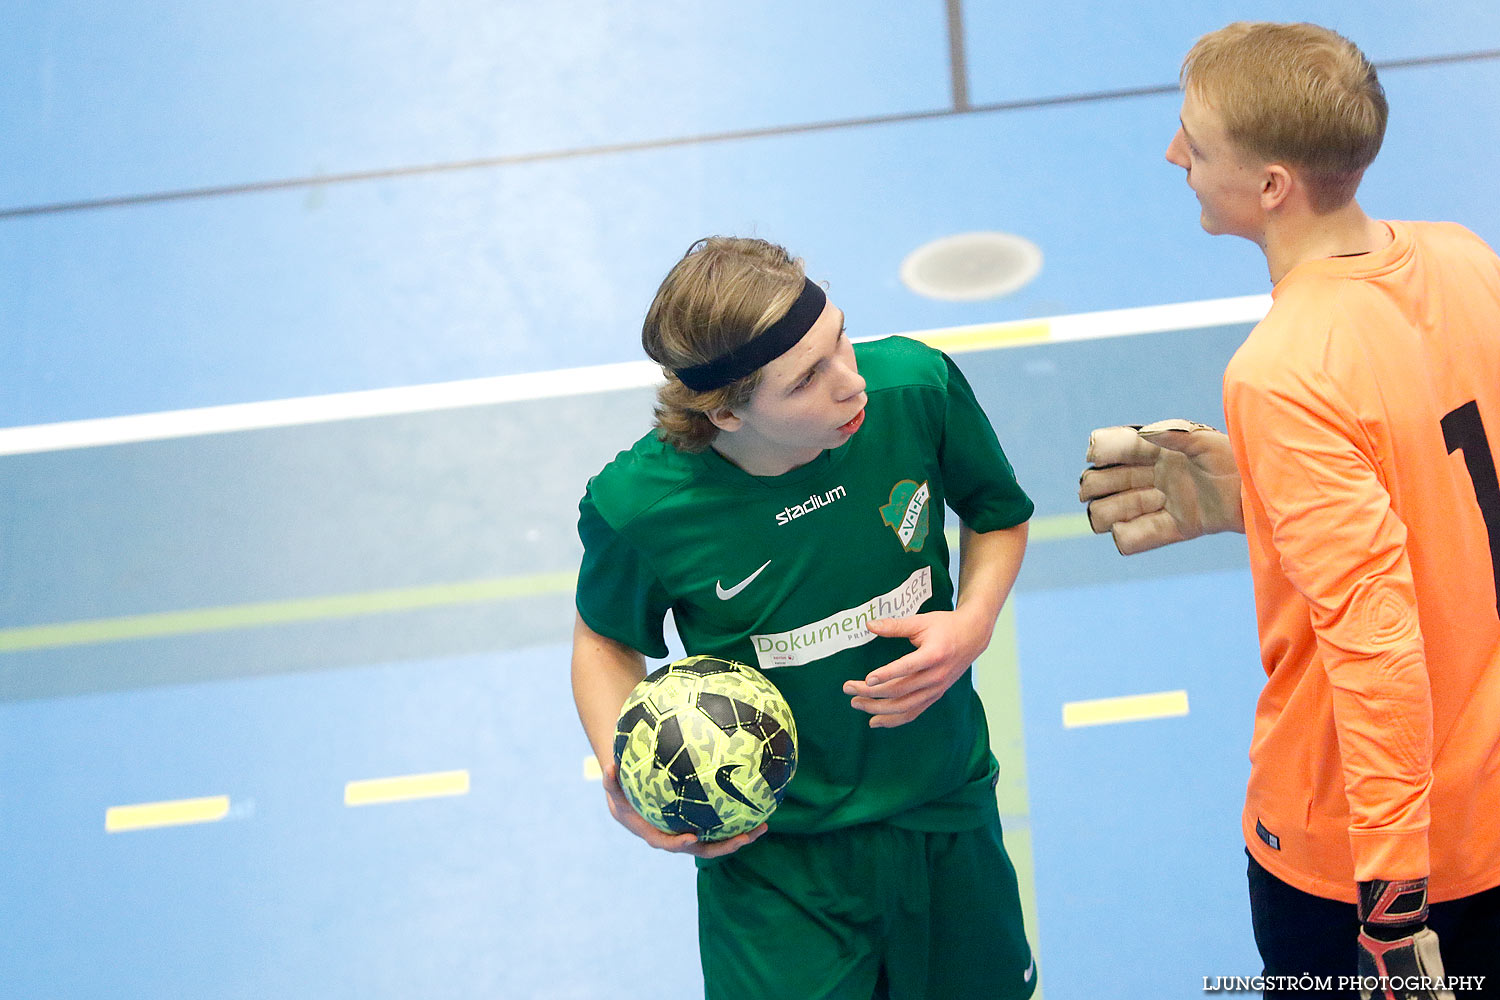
903 689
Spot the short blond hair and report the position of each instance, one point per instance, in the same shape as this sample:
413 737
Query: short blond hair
723 292
1295 93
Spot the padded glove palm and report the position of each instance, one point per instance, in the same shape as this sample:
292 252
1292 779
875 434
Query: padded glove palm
1158 484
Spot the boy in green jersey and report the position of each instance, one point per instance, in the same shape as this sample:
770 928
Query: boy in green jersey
788 512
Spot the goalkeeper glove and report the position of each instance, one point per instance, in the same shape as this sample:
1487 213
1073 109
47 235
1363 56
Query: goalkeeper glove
1158 484
1398 952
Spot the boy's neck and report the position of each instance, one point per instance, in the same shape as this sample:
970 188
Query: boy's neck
757 461
1297 237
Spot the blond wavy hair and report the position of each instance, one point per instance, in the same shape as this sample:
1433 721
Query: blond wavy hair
1299 94
723 292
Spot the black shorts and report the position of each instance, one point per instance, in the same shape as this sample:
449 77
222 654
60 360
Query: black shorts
1301 934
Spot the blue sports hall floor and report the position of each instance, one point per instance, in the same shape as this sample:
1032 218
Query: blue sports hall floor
314 319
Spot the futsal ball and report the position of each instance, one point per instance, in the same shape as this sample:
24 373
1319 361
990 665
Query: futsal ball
705 746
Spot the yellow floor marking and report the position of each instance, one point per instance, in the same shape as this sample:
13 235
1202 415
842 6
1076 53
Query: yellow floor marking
1055 527
260 614
178 812
377 791
986 336
263 613
642 374
591 770
997 677
1130 708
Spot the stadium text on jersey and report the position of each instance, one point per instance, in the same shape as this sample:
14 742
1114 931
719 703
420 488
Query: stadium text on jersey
812 503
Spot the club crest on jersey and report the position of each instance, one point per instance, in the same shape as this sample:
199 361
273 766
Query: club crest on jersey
907 513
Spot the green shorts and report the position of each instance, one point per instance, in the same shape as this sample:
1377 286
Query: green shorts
866 912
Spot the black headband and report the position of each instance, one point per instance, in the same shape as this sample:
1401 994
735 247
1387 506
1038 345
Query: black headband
765 347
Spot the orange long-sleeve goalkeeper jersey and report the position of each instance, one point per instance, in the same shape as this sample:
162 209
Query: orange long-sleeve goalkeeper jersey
1364 412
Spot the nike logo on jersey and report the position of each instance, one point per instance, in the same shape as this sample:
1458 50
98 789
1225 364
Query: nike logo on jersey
1030 971
725 595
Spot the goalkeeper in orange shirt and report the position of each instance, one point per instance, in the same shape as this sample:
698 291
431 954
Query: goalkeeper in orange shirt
1362 414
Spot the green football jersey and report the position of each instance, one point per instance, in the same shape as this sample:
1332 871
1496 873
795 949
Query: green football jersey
783 572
